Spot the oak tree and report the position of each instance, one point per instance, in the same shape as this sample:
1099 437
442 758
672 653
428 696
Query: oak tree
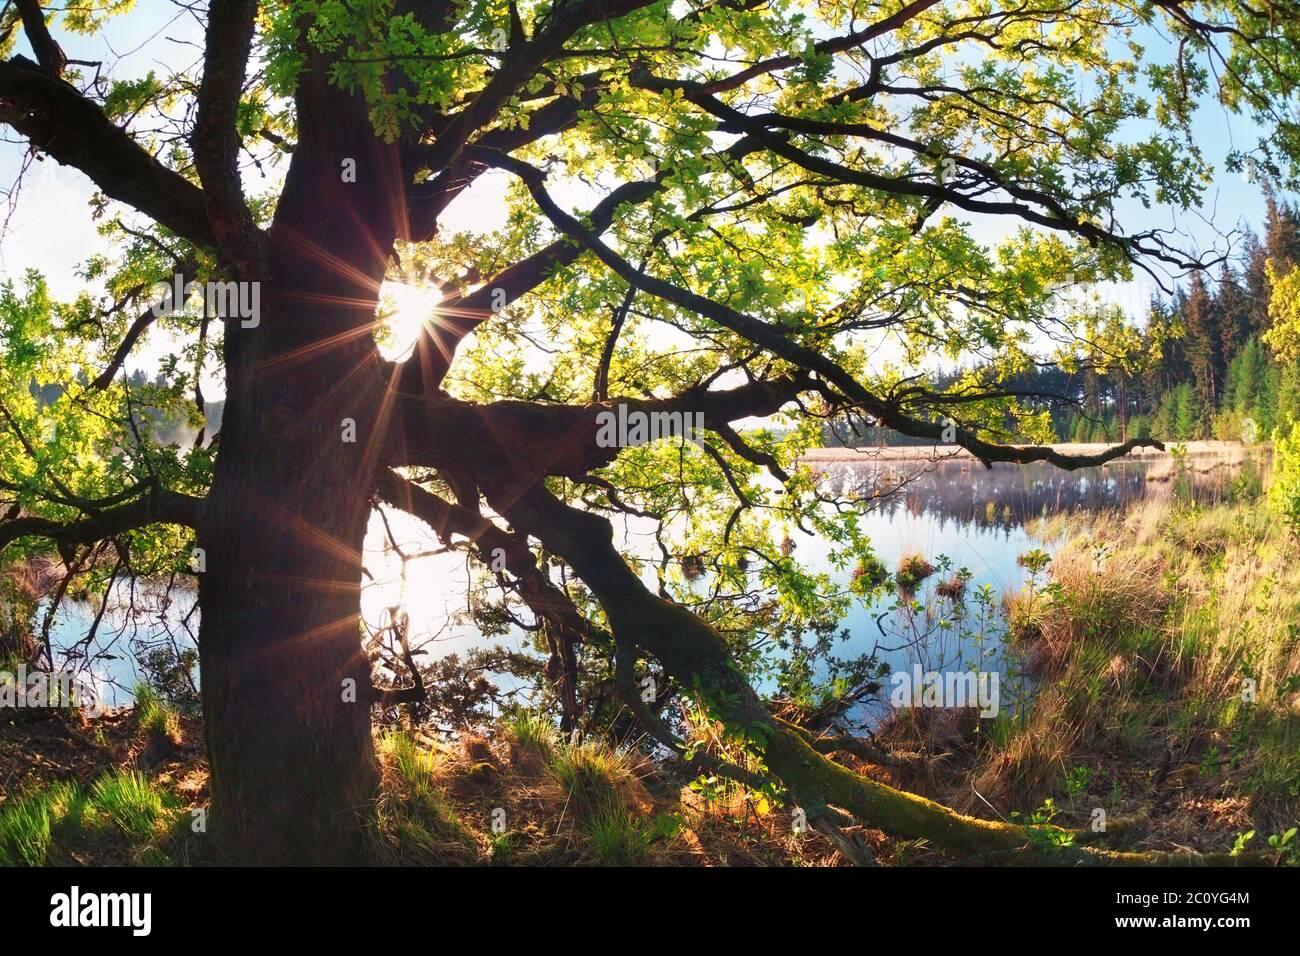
734 209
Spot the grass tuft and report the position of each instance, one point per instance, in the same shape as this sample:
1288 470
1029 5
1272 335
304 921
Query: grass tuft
160 722
132 803
415 822
912 570
30 821
122 816
593 775
1173 648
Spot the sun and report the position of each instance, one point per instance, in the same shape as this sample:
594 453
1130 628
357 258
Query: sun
405 309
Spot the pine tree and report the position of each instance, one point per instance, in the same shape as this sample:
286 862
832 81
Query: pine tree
1187 415
1203 343
1231 314
1246 373
1255 280
1281 231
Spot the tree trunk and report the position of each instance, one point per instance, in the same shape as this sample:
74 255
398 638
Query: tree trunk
285 684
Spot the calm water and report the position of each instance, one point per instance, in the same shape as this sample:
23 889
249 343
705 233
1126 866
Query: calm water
952 513
959 515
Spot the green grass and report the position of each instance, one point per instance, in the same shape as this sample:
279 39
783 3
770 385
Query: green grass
415 822
29 822
132 803
1151 653
619 838
590 773
533 731
159 721
413 765
122 811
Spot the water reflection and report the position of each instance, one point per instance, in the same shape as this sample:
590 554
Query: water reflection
1007 496
951 509
963 517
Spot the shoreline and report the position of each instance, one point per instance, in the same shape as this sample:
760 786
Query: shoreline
939 453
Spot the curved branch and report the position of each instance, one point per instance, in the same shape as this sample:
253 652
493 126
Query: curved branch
778 343
696 656
60 121
165 507
216 132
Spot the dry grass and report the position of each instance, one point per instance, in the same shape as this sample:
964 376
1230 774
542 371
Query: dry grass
1095 596
524 796
912 570
560 803
1145 638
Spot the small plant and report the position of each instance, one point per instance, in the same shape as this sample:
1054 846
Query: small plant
56 822
868 575
1035 562
1043 835
912 570
500 845
132 803
1284 846
1078 780
414 765
1209 766
159 721
953 588
710 788
1240 842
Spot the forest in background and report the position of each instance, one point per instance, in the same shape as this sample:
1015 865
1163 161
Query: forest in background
1201 368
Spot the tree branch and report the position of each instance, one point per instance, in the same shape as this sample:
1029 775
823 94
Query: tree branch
48 52
166 507
133 333
537 439
778 343
695 656
216 132
60 121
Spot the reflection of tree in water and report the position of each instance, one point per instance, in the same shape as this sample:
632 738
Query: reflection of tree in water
1007 495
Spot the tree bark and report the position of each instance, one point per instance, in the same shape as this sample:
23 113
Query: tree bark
285 682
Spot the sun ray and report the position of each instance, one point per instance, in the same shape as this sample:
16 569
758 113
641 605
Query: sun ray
316 583
294 524
408 312
341 266
310 350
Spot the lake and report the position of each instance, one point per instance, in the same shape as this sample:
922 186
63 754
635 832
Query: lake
953 512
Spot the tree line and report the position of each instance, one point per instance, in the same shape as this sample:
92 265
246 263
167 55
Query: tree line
1200 367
